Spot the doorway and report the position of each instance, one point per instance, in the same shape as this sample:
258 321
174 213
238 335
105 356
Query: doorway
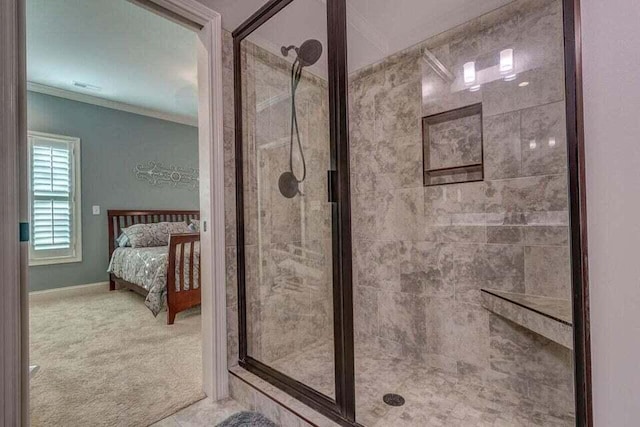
206 24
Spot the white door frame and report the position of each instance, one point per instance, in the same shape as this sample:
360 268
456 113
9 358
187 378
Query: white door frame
14 338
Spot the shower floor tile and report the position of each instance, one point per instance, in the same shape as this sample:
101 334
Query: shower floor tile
432 396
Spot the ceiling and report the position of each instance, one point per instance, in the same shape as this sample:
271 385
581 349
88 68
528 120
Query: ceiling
131 55
376 28
135 57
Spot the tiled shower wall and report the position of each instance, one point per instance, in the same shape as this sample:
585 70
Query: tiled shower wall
288 250
230 199
422 254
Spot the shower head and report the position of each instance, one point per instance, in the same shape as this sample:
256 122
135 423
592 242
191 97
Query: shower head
288 185
308 53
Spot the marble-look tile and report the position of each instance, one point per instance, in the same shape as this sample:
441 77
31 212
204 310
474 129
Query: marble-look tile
472 334
227 77
397 113
401 215
364 215
559 404
376 263
546 85
454 143
459 233
387 166
505 234
532 358
365 307
499 29
502 146
362 93
230 216
401 318
482 264
509 347
428 282
402 68
551 365
548 271
312 365
531 194
468 293
456 204
549 328
229 157
544 144
541 32
231 276
546 235
441 327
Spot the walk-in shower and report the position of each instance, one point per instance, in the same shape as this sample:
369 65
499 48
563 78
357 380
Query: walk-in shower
306 55
422 268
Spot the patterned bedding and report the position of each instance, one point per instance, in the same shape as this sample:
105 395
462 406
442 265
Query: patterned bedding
147 267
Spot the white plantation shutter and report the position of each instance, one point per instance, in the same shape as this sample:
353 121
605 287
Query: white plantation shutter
54 206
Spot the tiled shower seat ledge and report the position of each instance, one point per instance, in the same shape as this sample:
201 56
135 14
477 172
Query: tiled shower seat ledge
549 317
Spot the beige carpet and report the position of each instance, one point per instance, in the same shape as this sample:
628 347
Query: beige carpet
106 361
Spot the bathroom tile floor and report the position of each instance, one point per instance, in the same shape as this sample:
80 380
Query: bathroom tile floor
433 397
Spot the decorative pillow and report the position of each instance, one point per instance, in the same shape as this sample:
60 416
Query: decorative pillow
195 225
122 241
157 234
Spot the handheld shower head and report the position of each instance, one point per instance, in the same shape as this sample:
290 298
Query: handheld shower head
309 52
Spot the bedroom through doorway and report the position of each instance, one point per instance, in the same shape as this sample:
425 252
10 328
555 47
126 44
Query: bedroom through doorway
114 195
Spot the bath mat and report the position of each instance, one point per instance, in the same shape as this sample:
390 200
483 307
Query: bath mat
247 419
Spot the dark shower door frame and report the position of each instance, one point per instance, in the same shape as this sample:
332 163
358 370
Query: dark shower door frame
342 410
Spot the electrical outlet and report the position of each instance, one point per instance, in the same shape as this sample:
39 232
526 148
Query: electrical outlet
96 210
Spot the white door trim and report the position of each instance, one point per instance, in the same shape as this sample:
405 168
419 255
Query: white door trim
14 369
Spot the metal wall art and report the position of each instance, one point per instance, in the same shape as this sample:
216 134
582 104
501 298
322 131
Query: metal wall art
172 176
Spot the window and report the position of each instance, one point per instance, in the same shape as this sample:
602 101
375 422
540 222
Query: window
54 199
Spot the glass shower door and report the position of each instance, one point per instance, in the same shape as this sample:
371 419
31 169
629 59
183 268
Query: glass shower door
287 232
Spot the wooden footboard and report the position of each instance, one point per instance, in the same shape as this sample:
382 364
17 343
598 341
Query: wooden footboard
182 292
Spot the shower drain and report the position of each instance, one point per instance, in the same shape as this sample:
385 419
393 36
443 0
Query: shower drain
392 399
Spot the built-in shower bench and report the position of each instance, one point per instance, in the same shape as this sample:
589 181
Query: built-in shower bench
549 317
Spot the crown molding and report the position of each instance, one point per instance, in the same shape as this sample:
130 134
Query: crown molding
114 105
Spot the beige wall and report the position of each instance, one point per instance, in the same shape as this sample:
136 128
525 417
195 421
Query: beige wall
611 100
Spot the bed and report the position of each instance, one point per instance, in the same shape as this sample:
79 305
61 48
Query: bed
168 273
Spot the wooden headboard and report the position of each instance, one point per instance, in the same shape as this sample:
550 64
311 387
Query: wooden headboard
119 219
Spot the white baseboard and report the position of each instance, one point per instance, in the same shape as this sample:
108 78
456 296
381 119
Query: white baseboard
68 291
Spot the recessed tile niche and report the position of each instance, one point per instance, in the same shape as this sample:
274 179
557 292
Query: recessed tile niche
452 146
